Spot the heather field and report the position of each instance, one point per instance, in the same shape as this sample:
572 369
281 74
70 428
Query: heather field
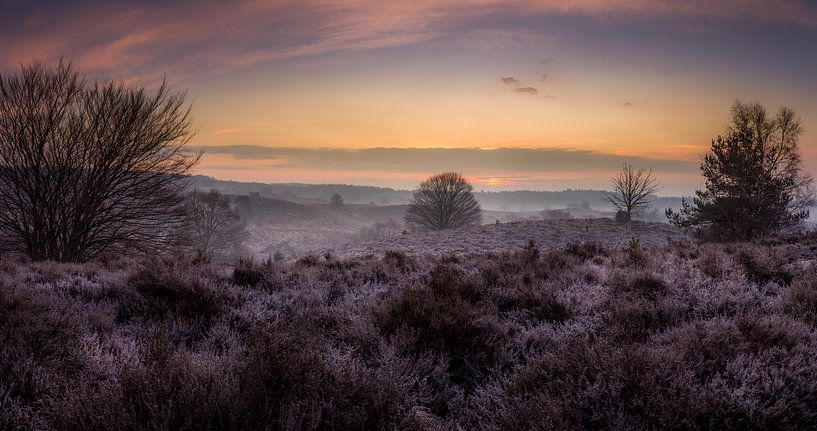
579 336
507 237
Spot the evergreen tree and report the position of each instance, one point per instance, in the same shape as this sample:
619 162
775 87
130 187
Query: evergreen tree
755 184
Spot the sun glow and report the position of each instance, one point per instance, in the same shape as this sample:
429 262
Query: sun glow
496 182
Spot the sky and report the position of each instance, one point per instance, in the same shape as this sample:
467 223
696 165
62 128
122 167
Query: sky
541 95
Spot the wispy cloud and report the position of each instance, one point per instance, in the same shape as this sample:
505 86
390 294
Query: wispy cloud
150 38
226 131
526 90
516 86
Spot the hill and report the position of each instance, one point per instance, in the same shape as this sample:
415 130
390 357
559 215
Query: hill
509 201
506 237
277 225
293 229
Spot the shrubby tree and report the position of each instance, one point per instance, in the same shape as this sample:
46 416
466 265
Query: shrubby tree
631 192
87 167
217 228
755 184
443 201
622 217
336 200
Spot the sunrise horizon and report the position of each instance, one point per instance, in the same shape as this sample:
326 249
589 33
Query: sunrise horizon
292 92
408 215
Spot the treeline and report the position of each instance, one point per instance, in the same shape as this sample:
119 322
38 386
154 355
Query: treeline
516 200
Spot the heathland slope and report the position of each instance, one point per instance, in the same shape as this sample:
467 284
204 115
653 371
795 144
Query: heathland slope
584 337
295 228
499 237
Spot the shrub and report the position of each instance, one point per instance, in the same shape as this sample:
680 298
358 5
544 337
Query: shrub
168 291
641 284
39 335
398 260
307 261
247 273
530 254
446 318
801 299
541 304
585 250
634 256
712 262
762 267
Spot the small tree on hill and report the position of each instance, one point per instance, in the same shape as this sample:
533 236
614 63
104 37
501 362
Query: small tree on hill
631 192
443 201
755 184
217 228
336 200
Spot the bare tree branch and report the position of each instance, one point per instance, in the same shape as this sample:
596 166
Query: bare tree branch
632 189
86 168
217 229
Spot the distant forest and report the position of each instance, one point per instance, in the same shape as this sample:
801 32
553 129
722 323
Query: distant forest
522 200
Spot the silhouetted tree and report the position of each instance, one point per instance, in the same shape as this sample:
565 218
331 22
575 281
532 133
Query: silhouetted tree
755 184
217 228
631 191
443 201
336 200
89 167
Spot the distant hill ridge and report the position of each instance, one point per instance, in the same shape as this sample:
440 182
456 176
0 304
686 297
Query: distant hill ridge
517 200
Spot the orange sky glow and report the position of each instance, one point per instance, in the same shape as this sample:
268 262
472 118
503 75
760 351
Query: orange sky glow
282 89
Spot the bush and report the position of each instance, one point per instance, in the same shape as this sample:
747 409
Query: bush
542 305
712 262
641 284
801 299
247 273
446 318
585 250
762 267
170 292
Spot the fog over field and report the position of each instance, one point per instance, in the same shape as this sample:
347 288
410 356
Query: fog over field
297 218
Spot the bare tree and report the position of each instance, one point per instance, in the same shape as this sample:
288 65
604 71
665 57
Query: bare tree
631 191
443 201
217 228
89 167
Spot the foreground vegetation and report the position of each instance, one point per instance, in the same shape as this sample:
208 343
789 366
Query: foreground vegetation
682 336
